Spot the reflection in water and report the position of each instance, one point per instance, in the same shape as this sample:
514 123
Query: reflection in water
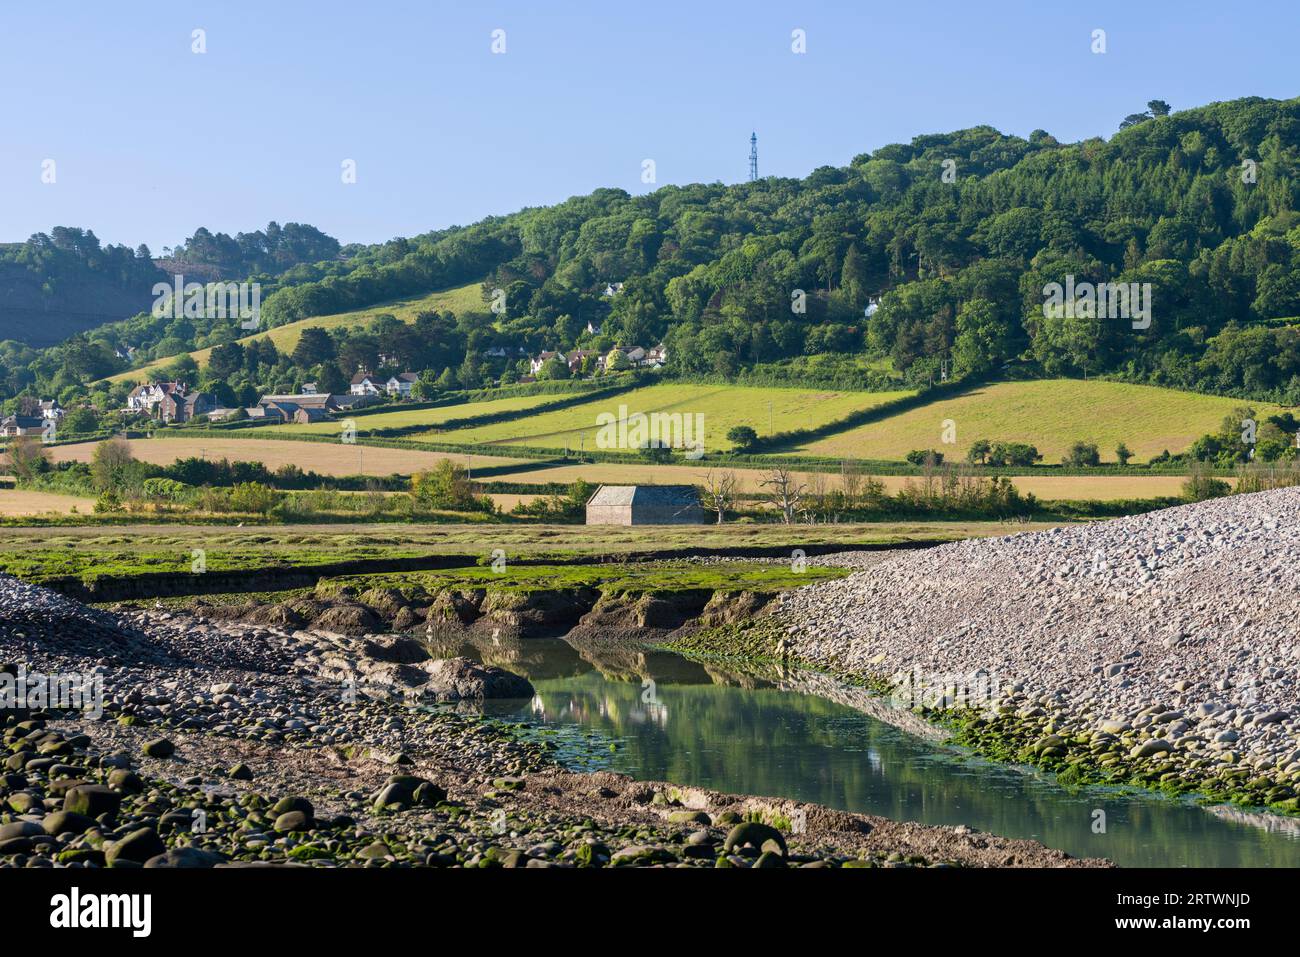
655 715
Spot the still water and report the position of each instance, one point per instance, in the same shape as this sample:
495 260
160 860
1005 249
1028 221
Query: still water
655 715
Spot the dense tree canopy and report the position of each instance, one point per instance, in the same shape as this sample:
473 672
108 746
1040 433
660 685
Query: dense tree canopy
922 259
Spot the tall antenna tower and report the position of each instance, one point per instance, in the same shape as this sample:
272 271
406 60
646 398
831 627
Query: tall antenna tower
753 157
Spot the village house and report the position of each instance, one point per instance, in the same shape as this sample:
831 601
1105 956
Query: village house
645 505
40 408
613 288
364 383
181 407
500 352
634 355
401 384
593 328
14 426
146 396
577 357
535 364
309 388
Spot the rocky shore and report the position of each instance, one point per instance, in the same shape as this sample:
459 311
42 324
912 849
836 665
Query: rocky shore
1161 650
222 743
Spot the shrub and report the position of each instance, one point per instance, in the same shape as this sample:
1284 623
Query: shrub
253 497
1201 485
742 437
447 487
1082 455
924 457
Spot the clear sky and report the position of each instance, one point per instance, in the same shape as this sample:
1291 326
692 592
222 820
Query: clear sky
151 140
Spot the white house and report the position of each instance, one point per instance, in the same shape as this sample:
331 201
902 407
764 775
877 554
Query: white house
363 383
535 364
401 384
613 288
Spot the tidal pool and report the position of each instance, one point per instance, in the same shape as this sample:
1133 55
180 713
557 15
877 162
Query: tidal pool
658 716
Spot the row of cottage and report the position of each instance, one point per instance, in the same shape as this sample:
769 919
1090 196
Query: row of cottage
174 402
636 356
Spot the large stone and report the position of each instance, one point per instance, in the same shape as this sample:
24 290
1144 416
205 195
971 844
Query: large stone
92 800
125 780
402 651
19 829
294 803
159 748
456 679
188 857
66 822
293 821
137 847
753 834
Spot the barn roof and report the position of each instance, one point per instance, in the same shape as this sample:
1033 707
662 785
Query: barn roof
676 496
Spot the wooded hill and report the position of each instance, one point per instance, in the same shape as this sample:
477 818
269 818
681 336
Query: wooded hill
1201 204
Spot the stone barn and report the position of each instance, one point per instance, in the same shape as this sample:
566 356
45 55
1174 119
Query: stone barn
645 505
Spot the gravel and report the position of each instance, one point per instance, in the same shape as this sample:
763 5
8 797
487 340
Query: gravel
1180 626
229 744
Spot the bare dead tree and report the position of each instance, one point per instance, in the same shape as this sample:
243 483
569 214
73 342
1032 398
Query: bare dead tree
720 491
785 493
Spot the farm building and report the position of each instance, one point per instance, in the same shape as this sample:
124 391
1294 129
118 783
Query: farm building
645 505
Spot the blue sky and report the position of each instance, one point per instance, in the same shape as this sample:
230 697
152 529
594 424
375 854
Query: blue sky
151 140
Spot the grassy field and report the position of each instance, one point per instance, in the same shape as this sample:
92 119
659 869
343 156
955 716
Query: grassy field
337 459
431 418
89 552
723 406
462 300
325 458
1050 414
21 503
1099 487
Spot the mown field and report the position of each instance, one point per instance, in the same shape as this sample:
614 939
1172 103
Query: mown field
422 421
326 458
462 300
1050 414
723 407
338 459
21 503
